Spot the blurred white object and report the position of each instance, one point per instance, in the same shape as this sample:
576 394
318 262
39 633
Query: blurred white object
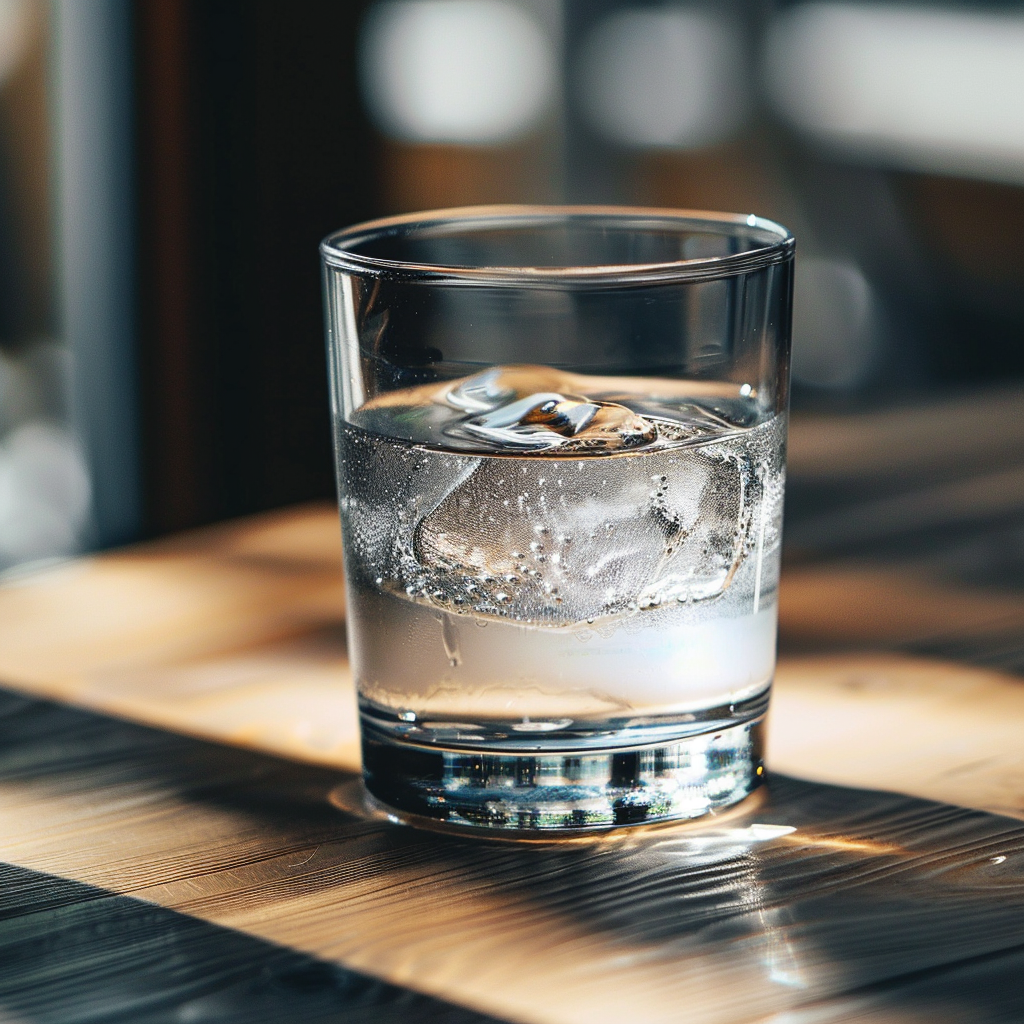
663 77
461 71
835 325
929 89
44 494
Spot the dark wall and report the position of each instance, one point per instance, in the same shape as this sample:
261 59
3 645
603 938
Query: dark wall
252 145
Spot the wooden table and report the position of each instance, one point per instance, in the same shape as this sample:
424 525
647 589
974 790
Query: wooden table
181 842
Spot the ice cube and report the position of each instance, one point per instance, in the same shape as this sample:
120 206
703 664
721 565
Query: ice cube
387 488
624 514
580 540
702 557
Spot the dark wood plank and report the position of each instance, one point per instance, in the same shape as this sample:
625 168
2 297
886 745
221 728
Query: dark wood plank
75 954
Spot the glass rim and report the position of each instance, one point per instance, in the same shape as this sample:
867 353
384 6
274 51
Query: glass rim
337 249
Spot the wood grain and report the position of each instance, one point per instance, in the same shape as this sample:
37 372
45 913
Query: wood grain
235 632
942 438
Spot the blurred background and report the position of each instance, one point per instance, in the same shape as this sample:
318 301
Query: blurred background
167 168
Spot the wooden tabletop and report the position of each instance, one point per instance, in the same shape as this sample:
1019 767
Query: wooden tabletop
182 837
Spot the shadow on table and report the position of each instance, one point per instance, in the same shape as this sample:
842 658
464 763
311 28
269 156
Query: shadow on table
823 904
73 953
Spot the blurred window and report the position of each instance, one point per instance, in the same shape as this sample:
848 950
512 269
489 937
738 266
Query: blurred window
926 89
462 71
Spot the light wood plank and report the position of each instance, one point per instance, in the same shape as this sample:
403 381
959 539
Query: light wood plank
234 633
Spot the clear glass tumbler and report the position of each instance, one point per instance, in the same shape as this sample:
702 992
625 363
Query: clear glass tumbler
560 439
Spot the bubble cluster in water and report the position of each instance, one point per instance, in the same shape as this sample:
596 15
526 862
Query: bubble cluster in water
631 517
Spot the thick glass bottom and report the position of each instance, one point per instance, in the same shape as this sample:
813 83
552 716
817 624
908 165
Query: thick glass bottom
565 791
551 734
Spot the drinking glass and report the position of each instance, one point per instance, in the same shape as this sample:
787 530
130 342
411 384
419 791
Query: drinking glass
560 438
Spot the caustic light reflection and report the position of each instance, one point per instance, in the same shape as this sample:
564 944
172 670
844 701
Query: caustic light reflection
779 958
456 71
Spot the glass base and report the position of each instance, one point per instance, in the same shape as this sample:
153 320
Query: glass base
565 791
